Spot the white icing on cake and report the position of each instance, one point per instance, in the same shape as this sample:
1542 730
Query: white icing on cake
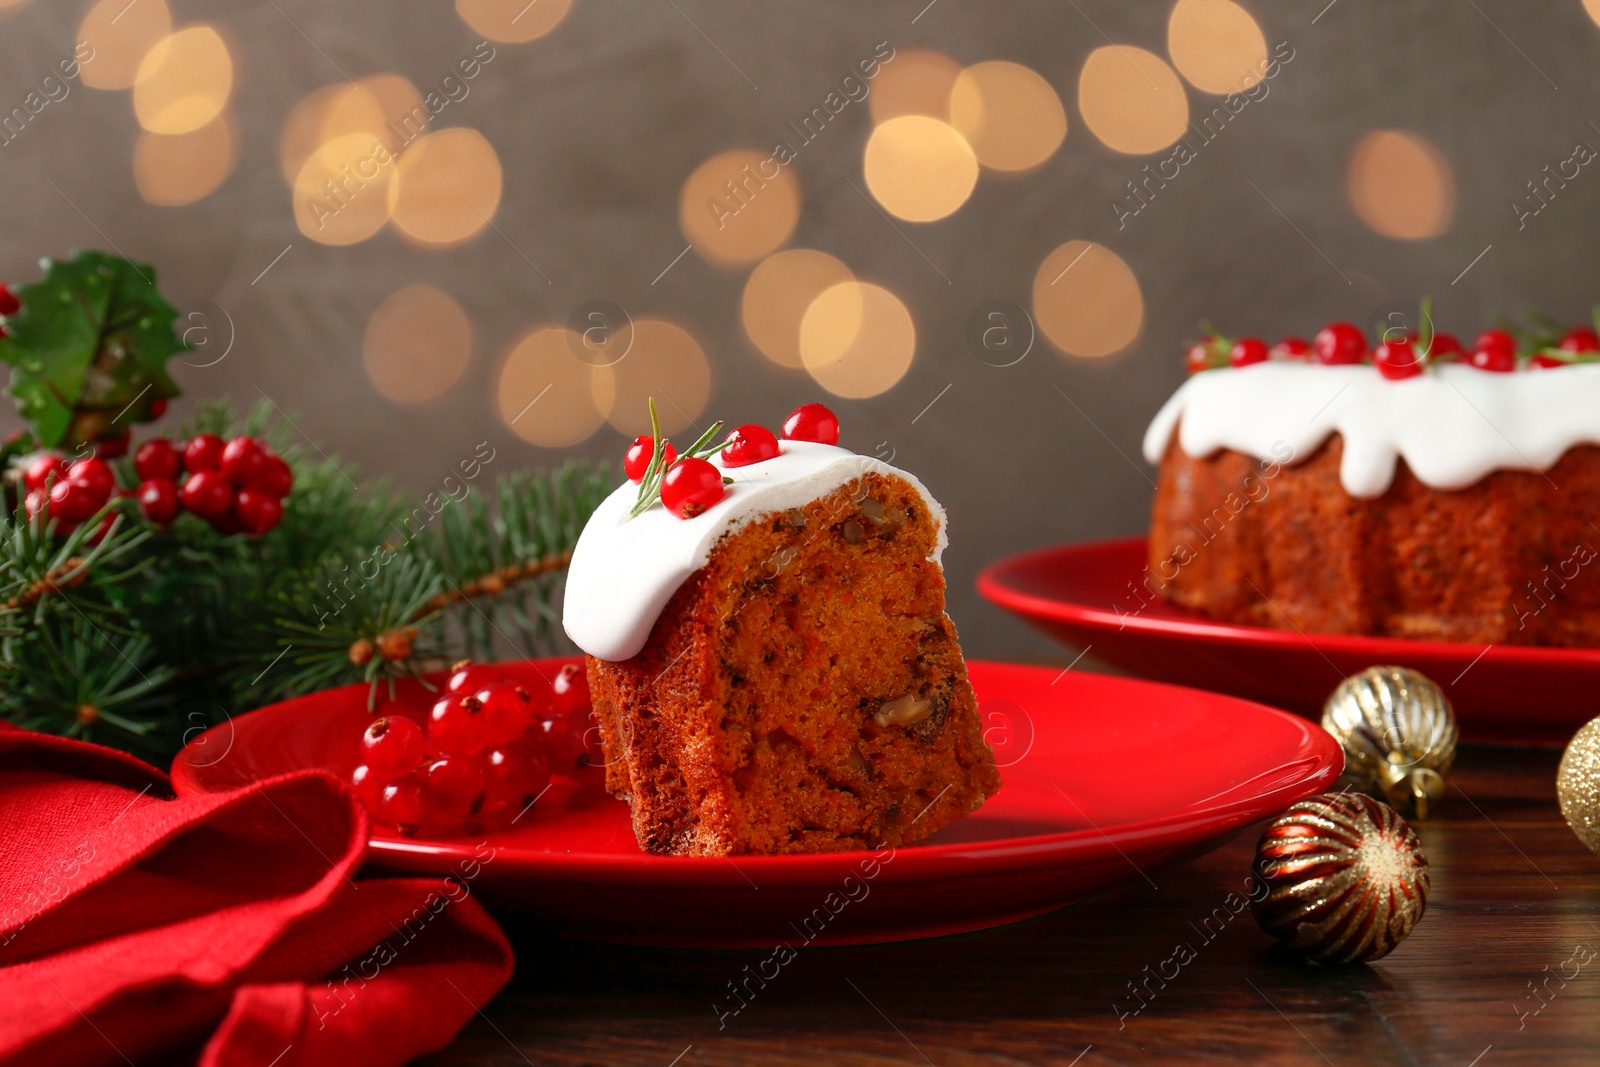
1453 424
625 570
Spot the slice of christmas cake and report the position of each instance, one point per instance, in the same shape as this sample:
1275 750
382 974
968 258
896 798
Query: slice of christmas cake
768 651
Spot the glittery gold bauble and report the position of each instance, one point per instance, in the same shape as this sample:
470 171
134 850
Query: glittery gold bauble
1345 878
1398 732
1578 784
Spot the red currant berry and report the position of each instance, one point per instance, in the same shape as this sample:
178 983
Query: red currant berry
812 422
570 689
95 476
203 453
274 478
518 773
749 444
392 746
157 458
1580 339
509 709
158 407
637 461
1497 360
691 486
457 726
471 677
1247 350
1197 359
113 447
367 785
72 501
1443 348
36 502
1545 361
456 785
1291 348
1497 341
1340 342
256 511
594 753
42 469
403 805
563 744
1397 359
9 304
242 459
208 494
556 797
158 499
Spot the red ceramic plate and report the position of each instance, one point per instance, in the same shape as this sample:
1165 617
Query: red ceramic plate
1088 596
1105 781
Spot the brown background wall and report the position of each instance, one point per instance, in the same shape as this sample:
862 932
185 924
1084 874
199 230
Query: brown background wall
598 123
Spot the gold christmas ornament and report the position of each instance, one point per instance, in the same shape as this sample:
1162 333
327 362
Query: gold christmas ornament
1345 876
1578 784
1398 733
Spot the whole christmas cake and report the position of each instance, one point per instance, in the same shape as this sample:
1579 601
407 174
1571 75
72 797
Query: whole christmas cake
1415 490
767 647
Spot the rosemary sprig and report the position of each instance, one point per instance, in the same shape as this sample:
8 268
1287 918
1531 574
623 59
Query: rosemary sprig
1424 343
650 484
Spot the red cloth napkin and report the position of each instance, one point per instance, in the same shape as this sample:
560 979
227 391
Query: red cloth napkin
134 926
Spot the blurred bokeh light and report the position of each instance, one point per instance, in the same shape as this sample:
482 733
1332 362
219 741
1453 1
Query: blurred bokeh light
513 21
857 340
1217 45
918 168
387 106
417 344
1131 99
776 297
1401 185
339 194
184 81
544 395
916 82
180 168
302 130
446 187
121 33
1010 115
738 206
666 363
1086 300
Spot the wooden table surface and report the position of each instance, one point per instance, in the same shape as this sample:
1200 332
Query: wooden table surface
1515 904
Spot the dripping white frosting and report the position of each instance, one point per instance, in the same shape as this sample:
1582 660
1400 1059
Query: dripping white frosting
1452 424
625 570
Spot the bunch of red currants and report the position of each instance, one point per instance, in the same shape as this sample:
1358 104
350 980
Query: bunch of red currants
491 753
238 485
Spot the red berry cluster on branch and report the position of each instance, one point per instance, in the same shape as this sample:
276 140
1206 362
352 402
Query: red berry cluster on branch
236 485
690 484
1400 355
488 750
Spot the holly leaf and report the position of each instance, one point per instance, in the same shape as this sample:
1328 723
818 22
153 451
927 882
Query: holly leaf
89 347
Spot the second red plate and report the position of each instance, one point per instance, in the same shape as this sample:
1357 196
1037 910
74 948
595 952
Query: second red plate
1089 597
